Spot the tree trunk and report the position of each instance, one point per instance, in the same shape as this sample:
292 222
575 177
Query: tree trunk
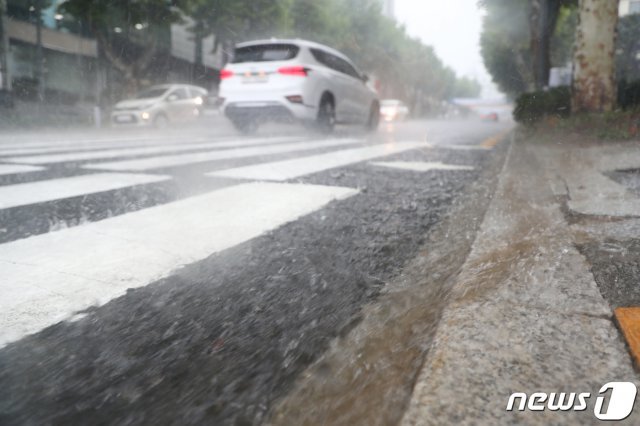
593 60
196 74
543 18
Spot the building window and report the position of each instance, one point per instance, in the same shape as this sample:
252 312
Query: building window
634 7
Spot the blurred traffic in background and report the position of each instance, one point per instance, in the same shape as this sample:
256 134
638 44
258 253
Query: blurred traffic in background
73 62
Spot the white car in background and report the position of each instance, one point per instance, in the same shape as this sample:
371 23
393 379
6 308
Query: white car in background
161 105
393 110
295 80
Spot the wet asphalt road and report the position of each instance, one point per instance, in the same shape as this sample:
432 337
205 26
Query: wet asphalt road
218 340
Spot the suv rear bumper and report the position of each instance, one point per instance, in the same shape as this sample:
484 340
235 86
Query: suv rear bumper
269 111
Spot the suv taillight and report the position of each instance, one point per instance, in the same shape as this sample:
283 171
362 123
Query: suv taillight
225 73
295 71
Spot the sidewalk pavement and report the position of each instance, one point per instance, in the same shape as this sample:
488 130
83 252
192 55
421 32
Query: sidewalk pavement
526 313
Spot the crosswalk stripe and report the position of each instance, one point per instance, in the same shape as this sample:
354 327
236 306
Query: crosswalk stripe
201 157
46 278
81 144
462 147
289 169
420 166
56 189
72 143
85 147
10 169
131 152
5 152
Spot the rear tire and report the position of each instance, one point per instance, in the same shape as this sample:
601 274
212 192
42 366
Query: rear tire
374 118
326 120
246 126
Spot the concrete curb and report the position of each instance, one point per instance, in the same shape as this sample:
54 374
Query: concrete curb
526 314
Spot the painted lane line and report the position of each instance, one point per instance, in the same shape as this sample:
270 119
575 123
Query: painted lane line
102 153
201 157
289 169
67 142
23 194
494 140
5 152
131 152
628 319
10 169
463 147
419 166
49 277
223 143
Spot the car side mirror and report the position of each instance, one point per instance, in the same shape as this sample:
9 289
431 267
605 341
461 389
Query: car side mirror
365 78
172 98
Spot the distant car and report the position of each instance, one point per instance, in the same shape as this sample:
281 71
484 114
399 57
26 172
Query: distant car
490 116
393 110
161 105
295 80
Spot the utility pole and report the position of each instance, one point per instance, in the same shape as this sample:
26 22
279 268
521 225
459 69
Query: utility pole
39 56
543 18
5 78
541 72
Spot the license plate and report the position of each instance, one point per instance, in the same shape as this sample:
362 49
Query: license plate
250 78
124 118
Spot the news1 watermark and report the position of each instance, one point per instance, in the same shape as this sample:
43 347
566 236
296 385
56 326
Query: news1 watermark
621 397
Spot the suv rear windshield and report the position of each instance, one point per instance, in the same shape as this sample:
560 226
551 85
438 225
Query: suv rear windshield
265 53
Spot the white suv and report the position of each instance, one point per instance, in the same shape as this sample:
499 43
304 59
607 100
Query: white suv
284 80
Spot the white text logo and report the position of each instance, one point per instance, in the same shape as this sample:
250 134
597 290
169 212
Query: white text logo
622 396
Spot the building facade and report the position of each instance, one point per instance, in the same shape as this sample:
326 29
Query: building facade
389 8
72 68
628 7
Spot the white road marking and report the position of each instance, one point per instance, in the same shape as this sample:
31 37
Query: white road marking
80 147
72 147
49 277
131 152
67 142
420 166
289 169
201 157
463 147
10 169
23 194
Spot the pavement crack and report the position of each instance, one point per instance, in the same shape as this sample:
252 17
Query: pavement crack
546 309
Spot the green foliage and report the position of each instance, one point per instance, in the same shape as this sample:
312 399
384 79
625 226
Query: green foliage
128 31
532 107
505 42
103 16
564 37
467 88
504 45
614 125
406 67
233 21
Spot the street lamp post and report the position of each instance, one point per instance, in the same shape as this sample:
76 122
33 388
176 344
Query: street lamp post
39 53
5 80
